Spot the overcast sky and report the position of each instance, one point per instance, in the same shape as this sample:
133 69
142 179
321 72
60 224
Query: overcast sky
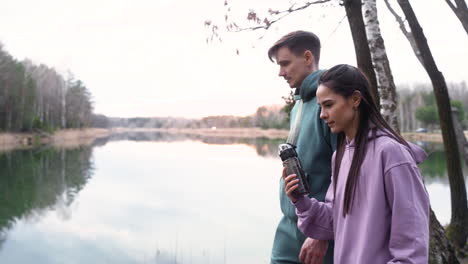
150 58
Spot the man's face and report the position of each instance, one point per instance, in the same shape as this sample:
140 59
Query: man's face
294 69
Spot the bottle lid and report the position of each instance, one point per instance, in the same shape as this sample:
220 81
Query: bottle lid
286 151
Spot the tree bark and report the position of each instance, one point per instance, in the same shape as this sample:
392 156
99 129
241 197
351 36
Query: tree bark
458 228
461 11
363 57
441 251
385 83
461 139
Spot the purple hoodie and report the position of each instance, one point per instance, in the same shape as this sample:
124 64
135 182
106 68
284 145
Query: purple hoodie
389 219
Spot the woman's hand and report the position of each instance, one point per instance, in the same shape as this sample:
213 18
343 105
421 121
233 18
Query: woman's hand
290 185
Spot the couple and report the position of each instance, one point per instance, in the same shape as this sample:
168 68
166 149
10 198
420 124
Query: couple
367 196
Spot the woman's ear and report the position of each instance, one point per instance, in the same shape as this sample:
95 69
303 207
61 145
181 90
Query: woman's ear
356 99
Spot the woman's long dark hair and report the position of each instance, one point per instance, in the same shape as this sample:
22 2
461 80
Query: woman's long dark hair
345 80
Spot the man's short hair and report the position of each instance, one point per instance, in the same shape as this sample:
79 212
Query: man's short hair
297 42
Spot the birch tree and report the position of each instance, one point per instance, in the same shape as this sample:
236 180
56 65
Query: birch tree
34 97
385 83
363 54
441 251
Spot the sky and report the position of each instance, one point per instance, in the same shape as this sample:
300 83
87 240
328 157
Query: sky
150 58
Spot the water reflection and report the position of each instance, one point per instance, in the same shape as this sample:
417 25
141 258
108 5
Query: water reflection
265 147
116 204
33 181
149 198
434 168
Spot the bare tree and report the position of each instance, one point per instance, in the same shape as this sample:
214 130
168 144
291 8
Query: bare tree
458 228
385 83
363 54
441 251
353 10
33 96
461 139
407 33
461 11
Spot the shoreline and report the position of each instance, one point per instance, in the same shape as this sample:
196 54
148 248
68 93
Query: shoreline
265 133
67 138
254 132
70 138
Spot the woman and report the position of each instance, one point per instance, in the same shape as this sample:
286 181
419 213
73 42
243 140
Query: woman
377 208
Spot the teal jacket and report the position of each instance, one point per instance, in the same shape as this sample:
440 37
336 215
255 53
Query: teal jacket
315 146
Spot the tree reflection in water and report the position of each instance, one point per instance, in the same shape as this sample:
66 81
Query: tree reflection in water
265 147
37 180
434 167
32 182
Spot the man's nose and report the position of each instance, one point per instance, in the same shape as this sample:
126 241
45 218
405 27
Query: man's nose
281 73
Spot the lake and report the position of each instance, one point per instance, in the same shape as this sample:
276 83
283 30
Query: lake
154 198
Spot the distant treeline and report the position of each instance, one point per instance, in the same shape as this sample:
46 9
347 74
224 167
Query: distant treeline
416 108
37 97
265 117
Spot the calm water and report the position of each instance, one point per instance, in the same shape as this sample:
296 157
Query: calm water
153 198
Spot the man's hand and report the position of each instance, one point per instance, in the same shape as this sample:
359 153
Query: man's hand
313 251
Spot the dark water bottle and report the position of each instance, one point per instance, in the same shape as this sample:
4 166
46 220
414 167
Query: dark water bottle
292 163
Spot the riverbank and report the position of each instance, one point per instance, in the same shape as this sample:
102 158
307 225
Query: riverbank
429 137
67 138
219 132
70 138
261 133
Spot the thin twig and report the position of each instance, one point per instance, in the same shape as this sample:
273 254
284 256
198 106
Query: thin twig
336 28
286 12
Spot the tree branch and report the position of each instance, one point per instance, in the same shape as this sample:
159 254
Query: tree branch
268 23
461 11
336 28
452 6
408 34
306 5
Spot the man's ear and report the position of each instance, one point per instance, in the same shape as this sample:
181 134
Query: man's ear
309 57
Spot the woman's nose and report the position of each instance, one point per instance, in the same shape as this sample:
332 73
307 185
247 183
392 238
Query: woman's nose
323 115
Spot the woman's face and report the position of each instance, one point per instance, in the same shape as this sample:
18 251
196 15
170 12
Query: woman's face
338 112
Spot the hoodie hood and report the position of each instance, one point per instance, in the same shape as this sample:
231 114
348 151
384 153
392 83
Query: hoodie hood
418 154
309 86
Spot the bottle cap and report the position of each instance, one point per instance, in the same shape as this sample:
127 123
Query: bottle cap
286 151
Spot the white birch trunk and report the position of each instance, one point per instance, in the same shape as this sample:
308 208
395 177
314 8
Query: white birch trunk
63 104
385 84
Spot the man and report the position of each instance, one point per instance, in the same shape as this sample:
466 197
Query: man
297 55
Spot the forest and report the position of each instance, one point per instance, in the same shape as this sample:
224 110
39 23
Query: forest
39 98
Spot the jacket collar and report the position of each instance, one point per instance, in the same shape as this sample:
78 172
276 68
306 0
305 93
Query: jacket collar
309 86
